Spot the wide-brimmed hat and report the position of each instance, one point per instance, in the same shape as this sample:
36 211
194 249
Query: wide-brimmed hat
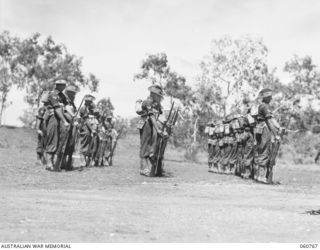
156 90
265 93
71 88
60 82
89 98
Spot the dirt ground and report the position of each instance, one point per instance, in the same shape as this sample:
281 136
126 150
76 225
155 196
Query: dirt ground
116 204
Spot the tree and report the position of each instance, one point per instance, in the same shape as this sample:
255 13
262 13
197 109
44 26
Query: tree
9 67
305 77
47 61
238 67
154 69
304 85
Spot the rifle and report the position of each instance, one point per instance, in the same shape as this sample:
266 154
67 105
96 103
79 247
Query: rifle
70 131
114 147
167 126
275 151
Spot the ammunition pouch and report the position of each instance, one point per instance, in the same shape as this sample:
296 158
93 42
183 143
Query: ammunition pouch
212 142
141 123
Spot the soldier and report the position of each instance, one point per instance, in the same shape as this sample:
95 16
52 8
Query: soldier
236 154
57 126
227 146
112 135
248 150
69 113
94 144
85 129
150 132
212 147
103 138
219 130
266 128
41 129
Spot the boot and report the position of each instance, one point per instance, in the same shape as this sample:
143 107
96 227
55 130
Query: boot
39 159
215 168
270 176
210 167
49 165
255 172
262 174
69 166
219 167
232 169
58 163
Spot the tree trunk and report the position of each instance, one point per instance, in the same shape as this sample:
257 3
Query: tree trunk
195 130
3 102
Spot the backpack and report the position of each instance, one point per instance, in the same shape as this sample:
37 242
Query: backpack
138 107
254 110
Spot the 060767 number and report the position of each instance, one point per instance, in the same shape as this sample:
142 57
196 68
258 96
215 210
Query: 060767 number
308 245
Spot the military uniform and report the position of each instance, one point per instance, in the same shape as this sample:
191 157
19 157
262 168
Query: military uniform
94 142
41 134
264 131
149 138
85 130
212 142
219 130
108 136
227 149
70 140
248 150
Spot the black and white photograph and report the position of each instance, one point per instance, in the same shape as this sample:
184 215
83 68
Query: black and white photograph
159 121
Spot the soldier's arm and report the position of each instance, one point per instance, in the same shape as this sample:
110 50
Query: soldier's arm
147 108
155 124
271 121
53 101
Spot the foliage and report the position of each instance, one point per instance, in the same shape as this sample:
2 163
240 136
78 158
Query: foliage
34 63
27 118
105 106
9 68
236 68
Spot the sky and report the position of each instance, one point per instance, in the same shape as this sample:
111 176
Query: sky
114 36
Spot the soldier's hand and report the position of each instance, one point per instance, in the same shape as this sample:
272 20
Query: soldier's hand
40 132
165 135
66 124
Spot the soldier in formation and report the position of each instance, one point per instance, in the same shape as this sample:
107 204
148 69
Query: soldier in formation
245 145
60 129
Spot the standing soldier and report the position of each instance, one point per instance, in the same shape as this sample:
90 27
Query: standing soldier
103 138
112 138
266 128
248 150
85 129
219 130
236 155
41 129
150 131
212 142
57 125
94 145
69 113
228 141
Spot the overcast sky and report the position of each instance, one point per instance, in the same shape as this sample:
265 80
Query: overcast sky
113 36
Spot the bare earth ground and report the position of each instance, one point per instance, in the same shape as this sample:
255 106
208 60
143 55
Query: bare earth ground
116 204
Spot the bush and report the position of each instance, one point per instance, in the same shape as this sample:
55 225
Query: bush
301 148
